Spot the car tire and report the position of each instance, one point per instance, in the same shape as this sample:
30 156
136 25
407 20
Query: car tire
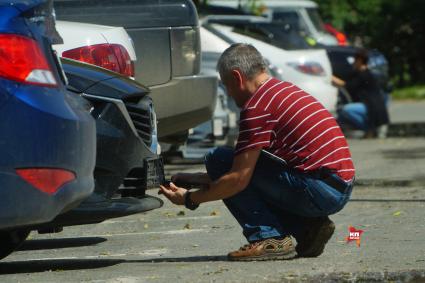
11 240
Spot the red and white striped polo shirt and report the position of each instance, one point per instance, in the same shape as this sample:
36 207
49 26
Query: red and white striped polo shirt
292 124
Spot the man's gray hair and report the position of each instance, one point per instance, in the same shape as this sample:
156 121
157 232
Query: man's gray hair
242 57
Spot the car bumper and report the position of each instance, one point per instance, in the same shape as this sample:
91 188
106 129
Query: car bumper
184 103
24 205
45 128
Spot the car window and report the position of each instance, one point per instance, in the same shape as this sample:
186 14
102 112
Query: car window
286 36
316 19
341 63
254 33
280 35
289 17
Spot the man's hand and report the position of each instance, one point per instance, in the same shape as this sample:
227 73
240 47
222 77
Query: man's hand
173 193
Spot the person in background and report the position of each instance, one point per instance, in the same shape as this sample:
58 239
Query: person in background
370 114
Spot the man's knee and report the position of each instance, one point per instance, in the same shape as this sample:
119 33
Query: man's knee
219 161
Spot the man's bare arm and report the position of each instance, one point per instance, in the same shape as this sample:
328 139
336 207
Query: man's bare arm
233 182
338 82
191 178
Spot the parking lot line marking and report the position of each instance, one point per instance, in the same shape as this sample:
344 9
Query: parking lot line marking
153 252
150 253
102 256
170 232
46 258
165 219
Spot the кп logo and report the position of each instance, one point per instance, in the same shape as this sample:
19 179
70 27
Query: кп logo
354 235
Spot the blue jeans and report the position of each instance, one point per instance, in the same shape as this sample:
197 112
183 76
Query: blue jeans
354 114
277 202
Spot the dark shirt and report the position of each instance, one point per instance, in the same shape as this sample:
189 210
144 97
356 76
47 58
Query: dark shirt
363 87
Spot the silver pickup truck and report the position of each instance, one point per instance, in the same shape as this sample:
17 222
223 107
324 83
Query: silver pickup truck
167 43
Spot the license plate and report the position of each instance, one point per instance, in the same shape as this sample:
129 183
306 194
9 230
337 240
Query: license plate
154 172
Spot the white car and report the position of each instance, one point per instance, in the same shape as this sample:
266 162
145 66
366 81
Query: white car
104 46
212 47
226 113
303 13
308 69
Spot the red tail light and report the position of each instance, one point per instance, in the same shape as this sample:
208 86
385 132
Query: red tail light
113 57
46 180
342 39
311 68
22 60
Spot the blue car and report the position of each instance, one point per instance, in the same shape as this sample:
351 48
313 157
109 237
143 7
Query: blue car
48 138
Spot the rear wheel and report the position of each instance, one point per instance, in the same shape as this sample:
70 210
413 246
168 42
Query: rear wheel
11 240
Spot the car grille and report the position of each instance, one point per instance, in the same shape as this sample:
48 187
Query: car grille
142 118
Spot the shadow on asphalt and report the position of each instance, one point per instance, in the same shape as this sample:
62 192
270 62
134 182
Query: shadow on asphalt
33 266
387 200
181 259
187 259
45 244
408 153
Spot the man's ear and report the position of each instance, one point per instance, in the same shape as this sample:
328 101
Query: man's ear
238 78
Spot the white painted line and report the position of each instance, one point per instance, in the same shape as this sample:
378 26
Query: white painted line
154 252
121 221
192 218
46 258
168 218
171 232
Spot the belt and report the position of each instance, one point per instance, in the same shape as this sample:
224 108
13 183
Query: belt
338 185
332 180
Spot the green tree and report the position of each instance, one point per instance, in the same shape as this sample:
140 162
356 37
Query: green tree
395 27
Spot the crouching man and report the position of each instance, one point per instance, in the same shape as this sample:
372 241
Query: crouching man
274 201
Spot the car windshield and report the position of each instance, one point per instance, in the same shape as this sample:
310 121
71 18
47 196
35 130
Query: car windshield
285 36
316 19
289 17
278 34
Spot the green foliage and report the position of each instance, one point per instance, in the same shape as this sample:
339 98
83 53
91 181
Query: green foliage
395 27
414 92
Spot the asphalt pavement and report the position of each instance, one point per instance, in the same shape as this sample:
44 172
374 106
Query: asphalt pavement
407 119
174 244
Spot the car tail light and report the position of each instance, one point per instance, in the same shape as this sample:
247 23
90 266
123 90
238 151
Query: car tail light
113 57
342 39
47 180
311 68
22 60
186 51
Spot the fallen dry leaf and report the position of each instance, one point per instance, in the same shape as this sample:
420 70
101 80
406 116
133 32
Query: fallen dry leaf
169 214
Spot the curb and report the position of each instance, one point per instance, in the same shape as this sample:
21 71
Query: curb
407 129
